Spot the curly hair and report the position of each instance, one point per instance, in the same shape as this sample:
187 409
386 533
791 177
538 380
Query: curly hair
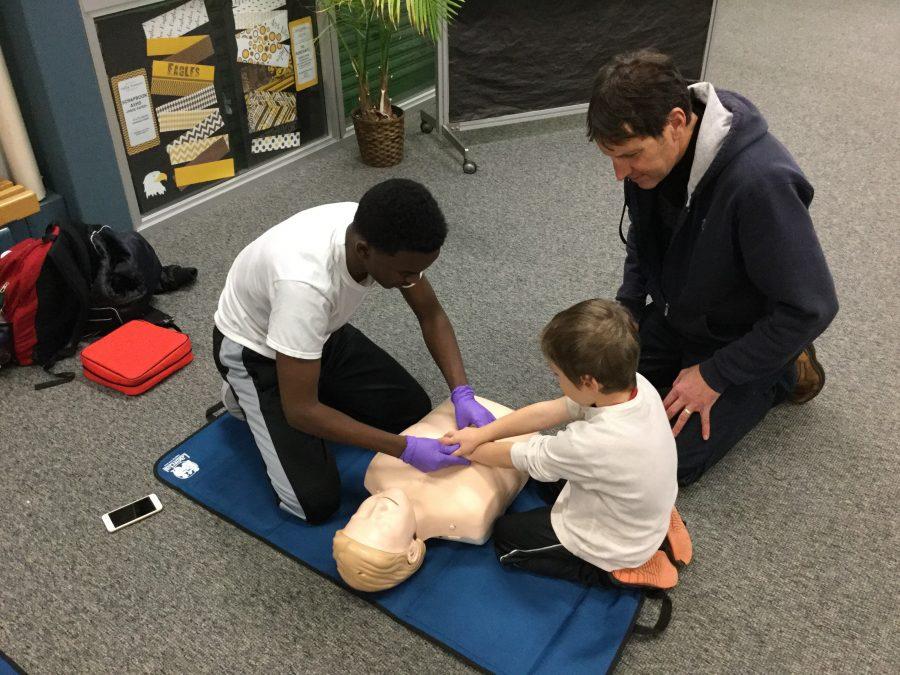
400 215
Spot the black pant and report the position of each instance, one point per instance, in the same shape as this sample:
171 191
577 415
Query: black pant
664 353
357 378
526 540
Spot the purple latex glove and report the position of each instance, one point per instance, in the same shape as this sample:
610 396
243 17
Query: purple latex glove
469 412
427 454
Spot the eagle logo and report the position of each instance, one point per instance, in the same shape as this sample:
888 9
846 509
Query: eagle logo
153 184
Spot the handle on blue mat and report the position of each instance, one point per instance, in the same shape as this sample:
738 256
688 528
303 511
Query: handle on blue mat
665 615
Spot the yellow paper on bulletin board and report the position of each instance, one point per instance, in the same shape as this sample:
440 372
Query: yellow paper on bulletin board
171 78
303 53
203 173
172 70
172 45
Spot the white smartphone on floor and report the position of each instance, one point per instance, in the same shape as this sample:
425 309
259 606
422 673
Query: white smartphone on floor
131 513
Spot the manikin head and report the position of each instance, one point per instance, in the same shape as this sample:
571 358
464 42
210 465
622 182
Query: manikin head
378 548
640 116
397 232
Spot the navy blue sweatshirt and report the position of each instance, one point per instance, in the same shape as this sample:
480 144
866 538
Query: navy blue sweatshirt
743 273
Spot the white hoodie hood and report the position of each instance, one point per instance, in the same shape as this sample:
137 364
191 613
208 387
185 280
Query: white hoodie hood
714 127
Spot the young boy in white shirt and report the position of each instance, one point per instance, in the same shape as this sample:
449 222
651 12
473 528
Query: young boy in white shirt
301 375
616 454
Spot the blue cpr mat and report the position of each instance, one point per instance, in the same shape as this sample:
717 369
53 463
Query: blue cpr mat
7 667
506 621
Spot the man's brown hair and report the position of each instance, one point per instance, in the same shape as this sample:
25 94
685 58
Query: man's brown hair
633 95
597 338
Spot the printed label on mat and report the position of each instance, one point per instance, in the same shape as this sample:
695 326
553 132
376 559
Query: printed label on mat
182 466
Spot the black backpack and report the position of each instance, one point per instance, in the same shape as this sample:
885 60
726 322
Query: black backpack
45 286
92 281
126 274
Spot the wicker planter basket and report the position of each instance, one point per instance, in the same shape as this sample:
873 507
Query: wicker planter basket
380 141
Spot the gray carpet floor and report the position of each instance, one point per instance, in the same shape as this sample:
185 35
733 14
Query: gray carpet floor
796 530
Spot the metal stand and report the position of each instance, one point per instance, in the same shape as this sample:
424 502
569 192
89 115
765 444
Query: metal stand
442 103
429 124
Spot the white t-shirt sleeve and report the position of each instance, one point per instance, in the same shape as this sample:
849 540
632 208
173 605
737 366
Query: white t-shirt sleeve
546 458
298 322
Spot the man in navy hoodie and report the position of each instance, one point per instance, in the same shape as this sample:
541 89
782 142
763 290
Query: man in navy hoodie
722 243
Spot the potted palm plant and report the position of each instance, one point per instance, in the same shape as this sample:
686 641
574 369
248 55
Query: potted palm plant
365 30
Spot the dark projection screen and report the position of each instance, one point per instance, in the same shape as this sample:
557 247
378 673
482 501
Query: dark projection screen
517 56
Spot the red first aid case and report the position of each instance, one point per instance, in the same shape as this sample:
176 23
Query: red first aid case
136 357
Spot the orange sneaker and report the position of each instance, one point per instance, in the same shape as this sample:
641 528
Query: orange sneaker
658 572
678 542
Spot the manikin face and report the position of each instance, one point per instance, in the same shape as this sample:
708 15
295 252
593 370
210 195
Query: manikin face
401 270
583 394
385 522
646 160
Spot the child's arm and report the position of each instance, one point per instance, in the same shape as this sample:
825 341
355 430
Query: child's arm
493 454
534 417
545 458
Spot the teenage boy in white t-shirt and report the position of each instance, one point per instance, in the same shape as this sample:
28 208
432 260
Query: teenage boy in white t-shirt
301 375
616 455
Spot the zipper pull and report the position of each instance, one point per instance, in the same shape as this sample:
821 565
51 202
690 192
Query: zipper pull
666 310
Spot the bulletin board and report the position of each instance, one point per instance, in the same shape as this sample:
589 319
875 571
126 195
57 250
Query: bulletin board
204 89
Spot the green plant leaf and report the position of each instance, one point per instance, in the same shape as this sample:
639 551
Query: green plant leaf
380 20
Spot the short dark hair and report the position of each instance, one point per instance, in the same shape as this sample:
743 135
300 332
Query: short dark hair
633 95
597 338
400 215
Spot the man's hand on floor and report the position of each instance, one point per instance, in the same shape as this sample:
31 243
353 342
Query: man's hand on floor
690 394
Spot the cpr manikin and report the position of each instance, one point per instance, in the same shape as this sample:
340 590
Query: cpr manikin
383 543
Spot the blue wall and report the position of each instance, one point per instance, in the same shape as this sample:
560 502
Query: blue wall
46 51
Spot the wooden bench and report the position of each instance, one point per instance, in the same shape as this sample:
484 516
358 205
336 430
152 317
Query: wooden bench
16 202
